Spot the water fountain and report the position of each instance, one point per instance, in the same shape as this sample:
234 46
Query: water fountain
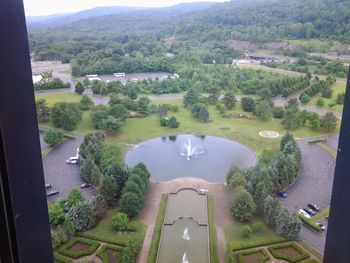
186 236
184 258
189 150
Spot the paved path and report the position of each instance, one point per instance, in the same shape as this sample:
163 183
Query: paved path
314 185
62 176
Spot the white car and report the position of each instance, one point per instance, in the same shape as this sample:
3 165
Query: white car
73 160
303 213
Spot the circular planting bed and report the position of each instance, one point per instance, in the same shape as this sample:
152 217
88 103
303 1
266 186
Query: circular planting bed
206 157
269 134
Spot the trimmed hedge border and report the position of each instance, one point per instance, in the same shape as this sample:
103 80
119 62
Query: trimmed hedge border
310 224
311 260
262 244
92 247
102 255
98 239
61 259
263 255
277 254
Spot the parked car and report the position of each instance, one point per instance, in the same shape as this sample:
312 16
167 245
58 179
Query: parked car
282 194
52 192
303 213
85 185
48 186
73 160
310 211
322 226
314 207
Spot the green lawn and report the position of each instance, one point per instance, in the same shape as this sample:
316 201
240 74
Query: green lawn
242 130
212 232
337 88
52 98
104 232
139 129
235 240
153 251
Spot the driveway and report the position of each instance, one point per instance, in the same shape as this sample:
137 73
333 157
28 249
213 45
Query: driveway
62 176
314 185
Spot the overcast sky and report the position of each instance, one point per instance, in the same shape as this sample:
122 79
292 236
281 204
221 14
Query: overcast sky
47 7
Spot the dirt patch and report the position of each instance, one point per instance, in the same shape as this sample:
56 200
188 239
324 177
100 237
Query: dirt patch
78 247
113 256
241 45
288 251
253 258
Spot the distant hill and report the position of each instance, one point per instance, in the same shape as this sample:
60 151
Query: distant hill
67 18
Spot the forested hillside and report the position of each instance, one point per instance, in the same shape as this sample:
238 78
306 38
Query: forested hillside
139 40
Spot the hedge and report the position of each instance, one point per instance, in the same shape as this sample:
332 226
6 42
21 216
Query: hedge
311 260
263 255
274 250
66 248
102 255
61 259
307 222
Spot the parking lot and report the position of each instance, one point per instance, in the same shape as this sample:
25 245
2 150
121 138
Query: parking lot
313 186
64 177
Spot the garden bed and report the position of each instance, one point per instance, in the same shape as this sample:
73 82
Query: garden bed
110 254
77 248
289 252
253 256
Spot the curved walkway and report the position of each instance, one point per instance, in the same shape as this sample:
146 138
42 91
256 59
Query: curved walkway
314 184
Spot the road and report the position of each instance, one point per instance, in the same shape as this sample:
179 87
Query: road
62 176
314 184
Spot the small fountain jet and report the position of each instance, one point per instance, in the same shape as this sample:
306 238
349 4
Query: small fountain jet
189 150
186 235
184 258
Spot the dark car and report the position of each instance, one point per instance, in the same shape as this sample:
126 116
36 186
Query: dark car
52 192
85 185
310 211
282 194
48 186
314 207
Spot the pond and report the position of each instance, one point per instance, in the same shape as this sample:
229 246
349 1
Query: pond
206 157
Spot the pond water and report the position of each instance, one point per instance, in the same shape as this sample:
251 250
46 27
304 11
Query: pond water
206 157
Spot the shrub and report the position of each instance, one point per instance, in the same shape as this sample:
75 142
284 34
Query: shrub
277 253
85 103
310 260
164 121
263 255
173 123
53 137
65 115
278 113
308 223
89 250
120 222
58 237
246 231
259 227
320 102
130 204
331 104
248 104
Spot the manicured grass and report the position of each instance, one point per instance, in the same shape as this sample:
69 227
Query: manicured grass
52 98
241 130
153 251
104 232
321 215
337 88
328 149
214 258
235 241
